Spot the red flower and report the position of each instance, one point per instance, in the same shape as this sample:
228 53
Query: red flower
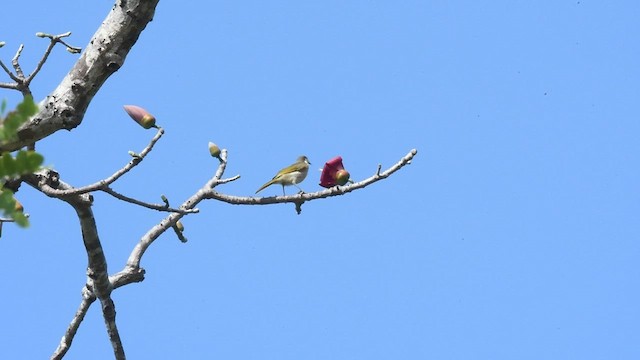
334 173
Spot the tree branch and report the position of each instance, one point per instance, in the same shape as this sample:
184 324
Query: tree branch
103 185
88 297
98 282
65 343
54 39
147 205
100 185
109 314
207 192
64 108
133 263
300 198
21 82
132 272
11 75
16 63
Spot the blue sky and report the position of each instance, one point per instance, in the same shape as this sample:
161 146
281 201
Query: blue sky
513 235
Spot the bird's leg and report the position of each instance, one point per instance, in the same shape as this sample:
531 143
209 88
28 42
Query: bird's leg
283 194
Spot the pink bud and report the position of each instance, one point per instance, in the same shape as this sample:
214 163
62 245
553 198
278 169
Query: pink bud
141 116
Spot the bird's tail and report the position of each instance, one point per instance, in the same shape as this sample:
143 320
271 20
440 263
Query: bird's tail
264 186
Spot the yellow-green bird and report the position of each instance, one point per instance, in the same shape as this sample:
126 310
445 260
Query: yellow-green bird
291 175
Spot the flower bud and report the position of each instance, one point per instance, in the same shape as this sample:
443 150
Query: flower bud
214 150
179 225
342 177
141 116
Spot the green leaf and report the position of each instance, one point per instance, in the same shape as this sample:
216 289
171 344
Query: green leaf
9 165
21 162
27 107
20 219
8 207
6 196
27 162
14 119
11 124
34 161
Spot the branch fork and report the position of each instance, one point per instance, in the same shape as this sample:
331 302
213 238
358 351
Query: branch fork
22 82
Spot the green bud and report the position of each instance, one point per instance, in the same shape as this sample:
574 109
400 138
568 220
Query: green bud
214 150
342 177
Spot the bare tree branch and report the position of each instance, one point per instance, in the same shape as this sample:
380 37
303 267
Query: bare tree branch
21 82
97 269
300 198
207 192
11 75
65 343
147 205
133 263
88 297
103 185
55 39
65 107
98 282
48 182
109 314
16 63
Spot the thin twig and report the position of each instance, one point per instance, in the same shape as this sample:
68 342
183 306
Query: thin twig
11 86
44 58
227 180
159 207
54 39
10 73
102 184
16 63
22 82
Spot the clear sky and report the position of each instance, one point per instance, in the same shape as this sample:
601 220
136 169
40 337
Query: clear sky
513 235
